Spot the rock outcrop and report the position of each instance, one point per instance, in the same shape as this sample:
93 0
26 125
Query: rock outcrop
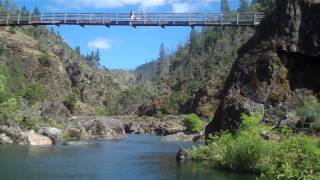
98 128
275 68
155 126
33 139
12 131
4 139
53 133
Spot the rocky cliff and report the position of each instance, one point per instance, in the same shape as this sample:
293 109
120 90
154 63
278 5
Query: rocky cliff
45 76
275 68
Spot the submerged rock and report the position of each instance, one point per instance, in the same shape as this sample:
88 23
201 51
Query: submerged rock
178 137
75 143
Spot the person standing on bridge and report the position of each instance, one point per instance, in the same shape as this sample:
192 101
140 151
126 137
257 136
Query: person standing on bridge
132 16
143 16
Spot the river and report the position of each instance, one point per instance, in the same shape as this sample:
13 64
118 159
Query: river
139 157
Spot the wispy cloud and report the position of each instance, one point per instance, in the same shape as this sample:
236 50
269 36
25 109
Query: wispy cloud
114 3
190 6
99 43
181 7
176 5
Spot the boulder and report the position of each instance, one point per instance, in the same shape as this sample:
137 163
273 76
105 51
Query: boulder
53 133
104 129
74 133
182 154
33 139
132 127
100 128
14 132
178 137
4 139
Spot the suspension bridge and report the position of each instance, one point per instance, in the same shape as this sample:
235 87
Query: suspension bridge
128 19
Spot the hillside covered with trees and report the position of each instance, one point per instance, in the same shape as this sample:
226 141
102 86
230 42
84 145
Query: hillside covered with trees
190 80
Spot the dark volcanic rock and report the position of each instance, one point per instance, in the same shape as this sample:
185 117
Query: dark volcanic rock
182 155
282 57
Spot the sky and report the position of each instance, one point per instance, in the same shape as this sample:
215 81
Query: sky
123 47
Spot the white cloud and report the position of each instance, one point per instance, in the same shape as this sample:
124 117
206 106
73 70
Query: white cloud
113 3
99 43
178 6
181 7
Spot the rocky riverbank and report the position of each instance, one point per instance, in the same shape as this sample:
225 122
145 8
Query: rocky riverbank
84 128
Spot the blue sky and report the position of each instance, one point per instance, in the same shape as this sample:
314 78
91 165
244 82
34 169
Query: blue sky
123 47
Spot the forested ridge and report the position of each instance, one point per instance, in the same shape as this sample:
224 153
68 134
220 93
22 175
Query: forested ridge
190 79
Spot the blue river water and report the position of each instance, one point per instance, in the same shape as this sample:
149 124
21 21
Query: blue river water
138 157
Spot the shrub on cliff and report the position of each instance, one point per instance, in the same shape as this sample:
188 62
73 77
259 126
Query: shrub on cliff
193 123
310 112
34 92
11 110
12 30
71 100
45 59
101 111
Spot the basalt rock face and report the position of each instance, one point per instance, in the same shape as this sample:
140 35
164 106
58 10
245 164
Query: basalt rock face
275 68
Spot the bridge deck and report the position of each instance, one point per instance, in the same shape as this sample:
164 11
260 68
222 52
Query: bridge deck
124 19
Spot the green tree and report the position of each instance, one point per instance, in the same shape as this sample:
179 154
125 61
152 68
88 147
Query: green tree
194 44
97 59
225 6
77 49
244 6
163 62
36 11
262 5
24 11
162 52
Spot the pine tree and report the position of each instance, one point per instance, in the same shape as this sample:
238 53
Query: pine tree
96 58
244 6
24 11
162 52
225 6
194 44
77 49
36 11
263 5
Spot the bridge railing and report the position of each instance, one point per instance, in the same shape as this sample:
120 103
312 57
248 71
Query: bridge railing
119 18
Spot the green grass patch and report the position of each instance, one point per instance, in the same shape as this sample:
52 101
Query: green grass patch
286 157
101 111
